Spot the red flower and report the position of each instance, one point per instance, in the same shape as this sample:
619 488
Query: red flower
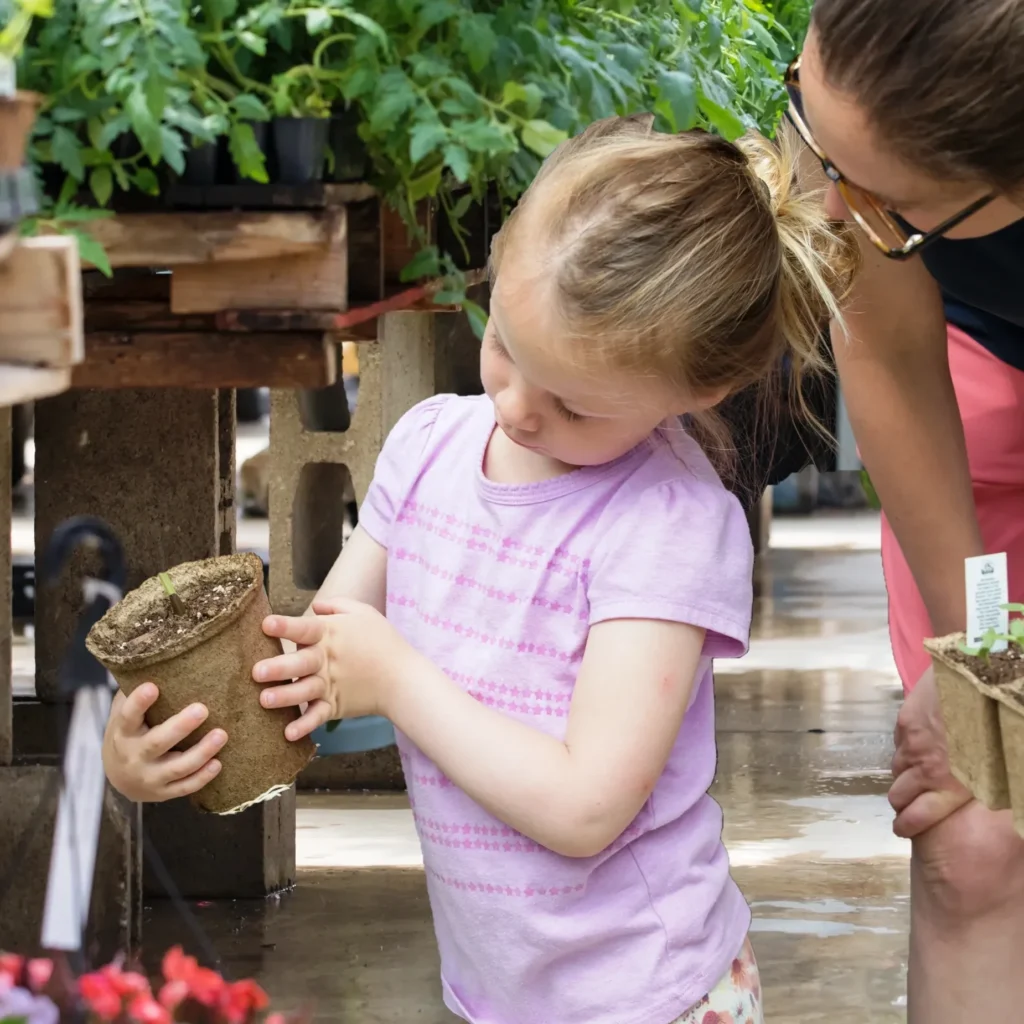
276 1018
125 983
100 995
11 965
714 1017
39 973
238 1001
144 1009
202 984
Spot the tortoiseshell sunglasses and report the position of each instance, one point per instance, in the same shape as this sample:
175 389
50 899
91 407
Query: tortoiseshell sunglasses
890 235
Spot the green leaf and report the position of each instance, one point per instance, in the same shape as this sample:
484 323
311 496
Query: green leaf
172 149
457 161
146 181
251 41
542 138
387 109
90 251
426 184
478 39
426 263
477 317
725 122
318 21
869 490
67 152
367 24
678 92
484 136
1017 609
145 126
101 184
250 108
529 95
246 153
425 137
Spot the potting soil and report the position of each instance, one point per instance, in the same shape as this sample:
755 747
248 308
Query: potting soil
155 633
1000 669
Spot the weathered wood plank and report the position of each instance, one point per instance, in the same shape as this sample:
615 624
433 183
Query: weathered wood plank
183 239
205 360
41 303
19 384
133 315
314 280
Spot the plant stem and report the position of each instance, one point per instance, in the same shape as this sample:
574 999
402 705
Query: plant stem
177 605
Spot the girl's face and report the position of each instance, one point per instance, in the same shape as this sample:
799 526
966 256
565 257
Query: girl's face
842 129
544 401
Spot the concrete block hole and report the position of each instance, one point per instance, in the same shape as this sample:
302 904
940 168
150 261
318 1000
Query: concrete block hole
321 520
329 409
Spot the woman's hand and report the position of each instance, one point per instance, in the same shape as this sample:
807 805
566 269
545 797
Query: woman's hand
347 662
924 791
141 762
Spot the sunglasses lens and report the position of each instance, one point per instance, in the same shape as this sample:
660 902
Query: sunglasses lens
873 218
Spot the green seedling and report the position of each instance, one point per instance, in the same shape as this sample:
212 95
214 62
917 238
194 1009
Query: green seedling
177 605
1014 635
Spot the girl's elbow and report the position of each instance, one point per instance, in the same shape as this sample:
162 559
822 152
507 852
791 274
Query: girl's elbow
583 836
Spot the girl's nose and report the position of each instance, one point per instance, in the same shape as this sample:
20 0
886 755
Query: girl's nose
516 410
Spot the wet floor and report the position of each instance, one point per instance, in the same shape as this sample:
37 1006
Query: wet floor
805 725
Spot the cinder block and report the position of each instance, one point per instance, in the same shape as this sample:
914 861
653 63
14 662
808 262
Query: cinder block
28 810
309 468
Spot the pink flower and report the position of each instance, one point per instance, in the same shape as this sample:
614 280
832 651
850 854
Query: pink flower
173 994
203 985
39 973
144 1009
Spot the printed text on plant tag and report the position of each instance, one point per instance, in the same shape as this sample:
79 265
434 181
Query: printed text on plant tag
987 592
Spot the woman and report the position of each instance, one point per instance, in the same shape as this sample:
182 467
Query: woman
915 109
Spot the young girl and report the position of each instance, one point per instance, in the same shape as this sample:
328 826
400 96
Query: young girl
558 563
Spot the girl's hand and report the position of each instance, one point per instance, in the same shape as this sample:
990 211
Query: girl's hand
348 660
141 763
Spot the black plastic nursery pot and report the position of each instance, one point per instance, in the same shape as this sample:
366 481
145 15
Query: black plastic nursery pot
349 159
201 164
300 144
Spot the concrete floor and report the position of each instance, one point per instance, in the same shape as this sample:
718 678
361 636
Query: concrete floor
804 726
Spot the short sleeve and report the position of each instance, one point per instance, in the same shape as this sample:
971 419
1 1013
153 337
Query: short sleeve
680 552
397 466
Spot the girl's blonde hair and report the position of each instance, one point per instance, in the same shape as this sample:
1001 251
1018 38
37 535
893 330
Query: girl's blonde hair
688 258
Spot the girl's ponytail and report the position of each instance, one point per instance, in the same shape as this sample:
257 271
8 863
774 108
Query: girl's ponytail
820 258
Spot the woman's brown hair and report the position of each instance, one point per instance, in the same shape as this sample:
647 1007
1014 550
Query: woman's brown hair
685 258
942 80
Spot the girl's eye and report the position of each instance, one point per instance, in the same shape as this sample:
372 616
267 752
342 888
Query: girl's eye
567 414
497 346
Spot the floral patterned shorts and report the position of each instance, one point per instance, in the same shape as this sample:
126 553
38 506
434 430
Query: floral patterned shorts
736 999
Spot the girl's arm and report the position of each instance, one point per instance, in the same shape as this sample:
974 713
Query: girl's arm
358 574
575 797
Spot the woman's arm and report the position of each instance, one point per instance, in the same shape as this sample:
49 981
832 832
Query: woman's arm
894 370
575 797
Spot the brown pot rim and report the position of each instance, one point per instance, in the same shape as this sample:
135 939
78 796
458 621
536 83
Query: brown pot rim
1011 694
21 98
247 562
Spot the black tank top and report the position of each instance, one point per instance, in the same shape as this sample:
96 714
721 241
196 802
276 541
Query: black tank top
982 282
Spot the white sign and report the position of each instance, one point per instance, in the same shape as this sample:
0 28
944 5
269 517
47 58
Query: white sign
987 592
8 79
77 831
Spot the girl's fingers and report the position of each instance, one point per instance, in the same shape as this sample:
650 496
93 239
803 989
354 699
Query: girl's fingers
304 691
175 766
909 785
133 708
167 735
191 783
302 630
286 667
315 715
333 605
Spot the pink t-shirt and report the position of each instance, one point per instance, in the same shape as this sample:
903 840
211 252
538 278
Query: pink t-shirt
498 585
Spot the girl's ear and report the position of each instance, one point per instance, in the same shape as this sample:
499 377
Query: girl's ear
703 401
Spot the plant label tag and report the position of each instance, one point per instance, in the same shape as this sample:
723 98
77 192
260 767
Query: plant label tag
8 80
987 593
77 832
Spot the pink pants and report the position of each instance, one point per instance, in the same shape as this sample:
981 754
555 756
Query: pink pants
991 398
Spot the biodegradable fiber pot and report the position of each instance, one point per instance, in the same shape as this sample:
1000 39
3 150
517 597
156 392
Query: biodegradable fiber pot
983 708
207 656
17 115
